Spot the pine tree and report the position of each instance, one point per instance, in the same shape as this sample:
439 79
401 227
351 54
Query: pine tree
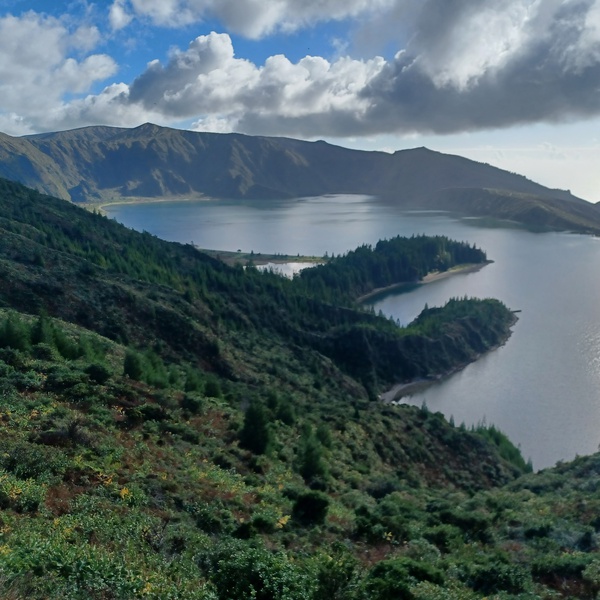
14 334
256 434
133 367
311 464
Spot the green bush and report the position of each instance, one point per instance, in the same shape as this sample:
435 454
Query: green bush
311 462
240 571
133 365
31 461
20 495
393 579
98 373
256 434
311 508
337 575
193 403
499 577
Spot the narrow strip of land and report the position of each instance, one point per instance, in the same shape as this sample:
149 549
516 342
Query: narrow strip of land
259 258
429 278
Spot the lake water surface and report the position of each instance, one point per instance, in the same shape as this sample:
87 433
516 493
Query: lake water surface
542 388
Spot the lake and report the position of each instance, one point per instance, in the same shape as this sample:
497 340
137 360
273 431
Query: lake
542 387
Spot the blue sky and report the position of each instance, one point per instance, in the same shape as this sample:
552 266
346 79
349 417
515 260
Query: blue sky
514 83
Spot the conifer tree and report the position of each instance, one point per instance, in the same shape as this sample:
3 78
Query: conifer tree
256 434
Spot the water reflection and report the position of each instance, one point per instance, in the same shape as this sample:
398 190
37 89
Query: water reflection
542 388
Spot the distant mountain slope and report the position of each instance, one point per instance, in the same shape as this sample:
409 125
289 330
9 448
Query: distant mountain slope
106 163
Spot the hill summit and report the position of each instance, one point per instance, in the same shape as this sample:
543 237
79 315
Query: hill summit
103 164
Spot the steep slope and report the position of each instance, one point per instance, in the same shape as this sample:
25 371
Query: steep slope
133 287
103 164
209 452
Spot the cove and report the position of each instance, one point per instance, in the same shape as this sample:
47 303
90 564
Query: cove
542 388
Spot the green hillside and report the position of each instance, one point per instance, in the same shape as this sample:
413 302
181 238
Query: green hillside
172 427
104 164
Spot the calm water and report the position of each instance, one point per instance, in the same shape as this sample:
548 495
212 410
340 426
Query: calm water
542 388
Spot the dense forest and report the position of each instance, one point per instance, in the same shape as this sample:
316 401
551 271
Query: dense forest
398 260
172 427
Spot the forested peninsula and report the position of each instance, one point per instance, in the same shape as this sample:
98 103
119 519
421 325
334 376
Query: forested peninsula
172 427
390 262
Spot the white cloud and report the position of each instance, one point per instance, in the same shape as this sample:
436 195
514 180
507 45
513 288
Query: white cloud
466 66
107 108
208 81
118 15
252 18
36 67
486 40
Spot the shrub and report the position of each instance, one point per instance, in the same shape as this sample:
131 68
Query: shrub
286 412
133 366
311 463
26 460
212 388
20 495
239 570
193 403
98 373
392 579
498 577
337 575
61 377
311 508
256 434
14 334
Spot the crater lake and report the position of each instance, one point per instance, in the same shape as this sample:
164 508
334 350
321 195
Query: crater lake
542 388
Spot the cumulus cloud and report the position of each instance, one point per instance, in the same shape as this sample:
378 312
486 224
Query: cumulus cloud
118 15
208 80
463 66
39 66
251 18
468 66
543 68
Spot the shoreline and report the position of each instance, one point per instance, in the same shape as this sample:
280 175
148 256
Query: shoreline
429 278
101 205
229 257
409 388
233 257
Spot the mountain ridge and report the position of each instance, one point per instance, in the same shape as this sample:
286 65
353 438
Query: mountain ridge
101 164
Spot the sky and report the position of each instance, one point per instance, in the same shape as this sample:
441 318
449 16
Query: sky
514 83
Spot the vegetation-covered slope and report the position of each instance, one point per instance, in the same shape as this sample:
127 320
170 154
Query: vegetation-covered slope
140 290
526 209
211 444
102 164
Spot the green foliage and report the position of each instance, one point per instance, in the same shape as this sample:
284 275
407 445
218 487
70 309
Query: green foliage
506 448
311 508
98 373
22 495
256 434
120 470
338 574
240 571
394 578
499 576
390 262
311 460
14 333
133 365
